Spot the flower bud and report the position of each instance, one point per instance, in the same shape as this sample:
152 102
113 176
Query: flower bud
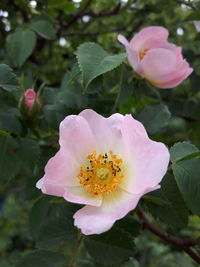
30 97
29 103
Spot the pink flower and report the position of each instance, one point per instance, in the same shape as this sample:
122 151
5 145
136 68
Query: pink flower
156 60
106 164
197 25
30 97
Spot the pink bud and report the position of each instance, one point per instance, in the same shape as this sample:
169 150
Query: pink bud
30 97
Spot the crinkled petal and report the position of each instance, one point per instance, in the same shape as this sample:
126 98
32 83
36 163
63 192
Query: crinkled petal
50 188
150 37
115 121
79 195
147 160
102 131
76 137
92 220
60 172
158 62
61 169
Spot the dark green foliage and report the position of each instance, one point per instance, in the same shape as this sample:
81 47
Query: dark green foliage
112 247
68 52
41 258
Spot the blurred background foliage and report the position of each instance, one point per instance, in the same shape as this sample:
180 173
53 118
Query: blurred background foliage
39 47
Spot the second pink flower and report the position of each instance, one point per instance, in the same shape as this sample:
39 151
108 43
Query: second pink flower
155 59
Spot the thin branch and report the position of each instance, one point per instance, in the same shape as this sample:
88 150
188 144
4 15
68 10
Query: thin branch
135 28
78 15
97 33
122 28
104 13
183 244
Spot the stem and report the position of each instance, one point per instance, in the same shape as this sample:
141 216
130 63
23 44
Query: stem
76 250
183 244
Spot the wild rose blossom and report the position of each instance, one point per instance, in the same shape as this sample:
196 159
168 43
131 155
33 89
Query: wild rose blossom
155 59
107 164
30 97
197 25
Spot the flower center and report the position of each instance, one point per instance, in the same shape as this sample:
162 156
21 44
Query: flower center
102 173
143 53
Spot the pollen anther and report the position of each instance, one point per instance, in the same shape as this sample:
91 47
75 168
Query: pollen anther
102 173
142 53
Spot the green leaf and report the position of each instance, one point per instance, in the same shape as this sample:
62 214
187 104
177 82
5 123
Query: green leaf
38 215
174 212
70 94
93 61
187 177
10 123
20 46
56 230
155 200
181 150
42 258
44 28
62 4
29 151
129 225
4 133
8 80
154 117
125 88
9 159
194 15
112 247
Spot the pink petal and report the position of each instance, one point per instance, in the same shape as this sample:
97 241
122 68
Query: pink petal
178 52
30 97
133 56
76 137
197 25
150 37
176 81
176 77
115 121
148 159
62 169
96 220
158 62
105 137
50 189
123 40
79 195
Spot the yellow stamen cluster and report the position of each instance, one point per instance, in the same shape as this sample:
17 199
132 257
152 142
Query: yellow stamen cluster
102 174
142 53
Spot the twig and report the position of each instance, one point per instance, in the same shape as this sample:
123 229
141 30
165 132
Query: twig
135 28
183 244
78 15
98 33
105 13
